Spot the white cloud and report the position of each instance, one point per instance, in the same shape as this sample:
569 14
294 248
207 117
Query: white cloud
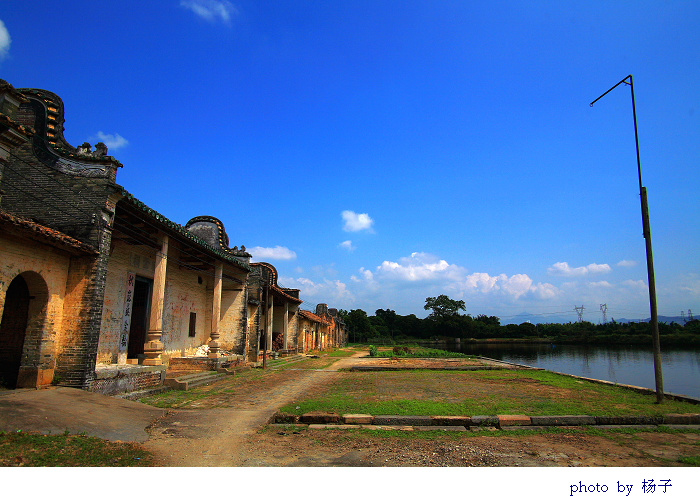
627 264
331 292
5 41
419 266
563 269
515 286
279 253
356 222
347 245
690 285
211 10
545 291
421 270
112 141
482 282
366 274
636 284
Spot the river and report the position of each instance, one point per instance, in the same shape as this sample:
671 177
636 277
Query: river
626 365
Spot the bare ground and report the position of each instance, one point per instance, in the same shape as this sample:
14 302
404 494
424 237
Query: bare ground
209 435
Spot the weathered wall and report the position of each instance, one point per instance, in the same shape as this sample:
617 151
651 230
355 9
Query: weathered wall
253 331
233 325
82 317
184 294
186 291
123 259
46 270
293 329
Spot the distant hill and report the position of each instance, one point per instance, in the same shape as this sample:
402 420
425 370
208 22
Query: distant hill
662 318
540 319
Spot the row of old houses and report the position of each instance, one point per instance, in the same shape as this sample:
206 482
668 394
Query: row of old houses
102 292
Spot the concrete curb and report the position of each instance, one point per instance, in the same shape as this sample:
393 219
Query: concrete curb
321 420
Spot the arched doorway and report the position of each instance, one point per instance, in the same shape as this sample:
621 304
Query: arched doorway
21 328
13 329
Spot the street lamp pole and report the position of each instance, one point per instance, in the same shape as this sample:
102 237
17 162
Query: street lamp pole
650 256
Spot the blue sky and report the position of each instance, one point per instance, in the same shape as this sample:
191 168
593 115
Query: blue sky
380 152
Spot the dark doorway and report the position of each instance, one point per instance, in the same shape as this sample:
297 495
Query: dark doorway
13 329
140 315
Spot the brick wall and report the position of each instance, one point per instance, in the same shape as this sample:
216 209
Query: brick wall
70 204
127 380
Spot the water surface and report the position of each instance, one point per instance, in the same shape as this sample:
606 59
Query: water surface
627 365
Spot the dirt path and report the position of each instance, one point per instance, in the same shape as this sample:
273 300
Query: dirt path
221 437
210 436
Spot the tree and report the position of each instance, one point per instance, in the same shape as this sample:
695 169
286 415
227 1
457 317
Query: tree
387 318
359 325
488 320
443 306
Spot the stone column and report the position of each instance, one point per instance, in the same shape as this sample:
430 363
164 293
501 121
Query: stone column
154 346
214 344
285 325
270 321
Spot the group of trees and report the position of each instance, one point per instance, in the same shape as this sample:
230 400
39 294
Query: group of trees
445 322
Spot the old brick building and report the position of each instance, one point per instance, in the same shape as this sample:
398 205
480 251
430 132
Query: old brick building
41 178
99 291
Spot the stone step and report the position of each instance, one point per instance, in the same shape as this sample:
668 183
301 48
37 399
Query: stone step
186 382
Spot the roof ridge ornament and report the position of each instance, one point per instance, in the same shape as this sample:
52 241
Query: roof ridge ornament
51 147
212 231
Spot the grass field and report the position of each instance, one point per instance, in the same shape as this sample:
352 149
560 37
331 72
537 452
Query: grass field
63 450
526 392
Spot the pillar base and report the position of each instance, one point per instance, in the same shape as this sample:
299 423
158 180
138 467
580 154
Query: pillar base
34 378
152 350
214 346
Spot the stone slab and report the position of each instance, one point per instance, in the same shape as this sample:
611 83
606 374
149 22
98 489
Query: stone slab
402 420
629 420
631 426
319 417
523 427
451 420
357 419
460 428
333 426
484 420
388 427
286 418
508 420
553 421
682 418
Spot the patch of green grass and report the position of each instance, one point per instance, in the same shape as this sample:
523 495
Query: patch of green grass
692 461
65 450
421 353
469 393
321 363
341 353
181 398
